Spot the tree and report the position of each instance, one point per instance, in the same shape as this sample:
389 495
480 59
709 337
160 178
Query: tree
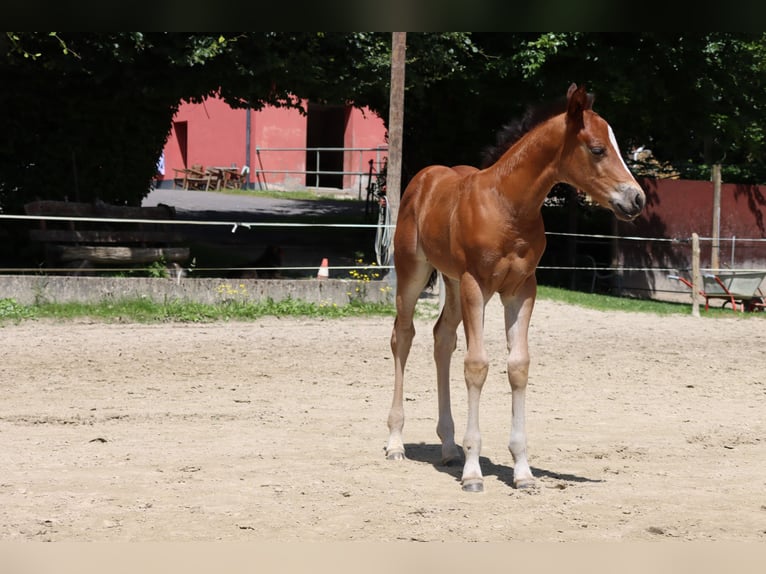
89 113
693 98
89 120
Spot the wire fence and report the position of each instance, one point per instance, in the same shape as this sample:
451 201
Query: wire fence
681 242
754 261
344 167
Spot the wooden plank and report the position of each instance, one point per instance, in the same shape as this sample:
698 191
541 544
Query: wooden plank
95 251
120 255
104 236
74 209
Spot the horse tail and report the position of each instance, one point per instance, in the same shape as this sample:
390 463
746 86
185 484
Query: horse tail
432 279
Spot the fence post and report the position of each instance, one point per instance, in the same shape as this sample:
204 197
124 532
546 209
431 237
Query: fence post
696 278
395 131
716 246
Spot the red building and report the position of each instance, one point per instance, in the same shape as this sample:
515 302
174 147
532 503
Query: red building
330 146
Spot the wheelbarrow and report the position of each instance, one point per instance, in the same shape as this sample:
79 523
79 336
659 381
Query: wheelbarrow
741 289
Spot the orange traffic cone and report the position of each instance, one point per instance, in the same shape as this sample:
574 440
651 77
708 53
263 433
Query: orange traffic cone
324 270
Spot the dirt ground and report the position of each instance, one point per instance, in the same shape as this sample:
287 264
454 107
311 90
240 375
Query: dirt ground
640 428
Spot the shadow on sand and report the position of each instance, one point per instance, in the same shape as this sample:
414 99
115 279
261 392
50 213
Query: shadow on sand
431 453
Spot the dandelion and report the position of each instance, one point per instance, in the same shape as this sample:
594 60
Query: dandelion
225 289
365 273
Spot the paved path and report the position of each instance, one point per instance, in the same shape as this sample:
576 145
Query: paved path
188 203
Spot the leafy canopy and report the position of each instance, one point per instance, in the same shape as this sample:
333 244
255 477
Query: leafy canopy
89 113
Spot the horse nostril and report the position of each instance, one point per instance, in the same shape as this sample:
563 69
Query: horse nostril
638 200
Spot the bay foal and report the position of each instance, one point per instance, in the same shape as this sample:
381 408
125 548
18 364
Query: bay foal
483 231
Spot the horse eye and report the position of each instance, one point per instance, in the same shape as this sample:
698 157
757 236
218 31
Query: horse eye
597 150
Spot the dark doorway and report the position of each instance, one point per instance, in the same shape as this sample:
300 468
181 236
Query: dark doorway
182 135
326 128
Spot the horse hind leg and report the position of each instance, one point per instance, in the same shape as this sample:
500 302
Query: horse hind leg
445 342
409 285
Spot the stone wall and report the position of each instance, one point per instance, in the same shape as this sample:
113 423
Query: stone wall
28 289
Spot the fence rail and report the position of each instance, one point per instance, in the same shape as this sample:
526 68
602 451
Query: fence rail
660 284
358 164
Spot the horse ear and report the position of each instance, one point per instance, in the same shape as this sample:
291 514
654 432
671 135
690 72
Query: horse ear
578 100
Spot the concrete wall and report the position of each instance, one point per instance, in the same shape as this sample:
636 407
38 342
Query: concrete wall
28 289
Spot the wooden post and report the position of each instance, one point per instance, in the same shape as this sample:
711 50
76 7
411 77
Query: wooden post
696 277
716 245
395 128
395 123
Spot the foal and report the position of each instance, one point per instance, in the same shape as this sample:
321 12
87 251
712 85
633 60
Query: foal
483 231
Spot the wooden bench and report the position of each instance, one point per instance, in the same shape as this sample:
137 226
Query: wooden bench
195 177
85 244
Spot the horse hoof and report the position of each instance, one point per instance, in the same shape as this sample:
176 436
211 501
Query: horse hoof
475 485
395 455
449 461
527 484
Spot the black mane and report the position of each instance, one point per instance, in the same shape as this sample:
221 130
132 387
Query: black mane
513 131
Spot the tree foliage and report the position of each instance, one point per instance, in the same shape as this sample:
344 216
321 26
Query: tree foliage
693 98
89 113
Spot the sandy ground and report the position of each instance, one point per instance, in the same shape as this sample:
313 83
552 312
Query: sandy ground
640 428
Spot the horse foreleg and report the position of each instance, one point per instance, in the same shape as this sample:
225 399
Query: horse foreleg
401 341
445 342
518 312
476 366
408 289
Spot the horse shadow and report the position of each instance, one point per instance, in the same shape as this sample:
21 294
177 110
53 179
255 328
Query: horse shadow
431 453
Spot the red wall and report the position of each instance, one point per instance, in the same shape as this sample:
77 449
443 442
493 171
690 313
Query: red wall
215 136
217 133
678 208
363 130
278 128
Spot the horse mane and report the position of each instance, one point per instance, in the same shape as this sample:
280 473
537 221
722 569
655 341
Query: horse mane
514 130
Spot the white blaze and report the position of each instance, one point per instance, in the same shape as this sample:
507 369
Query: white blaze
613 141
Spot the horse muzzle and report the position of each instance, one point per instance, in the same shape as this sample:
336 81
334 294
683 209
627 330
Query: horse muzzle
627 202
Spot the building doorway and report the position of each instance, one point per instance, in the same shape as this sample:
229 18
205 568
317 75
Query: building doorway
325 128
182 137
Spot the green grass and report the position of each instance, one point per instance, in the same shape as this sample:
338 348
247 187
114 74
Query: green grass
300 194
146 311
631 305
611 303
